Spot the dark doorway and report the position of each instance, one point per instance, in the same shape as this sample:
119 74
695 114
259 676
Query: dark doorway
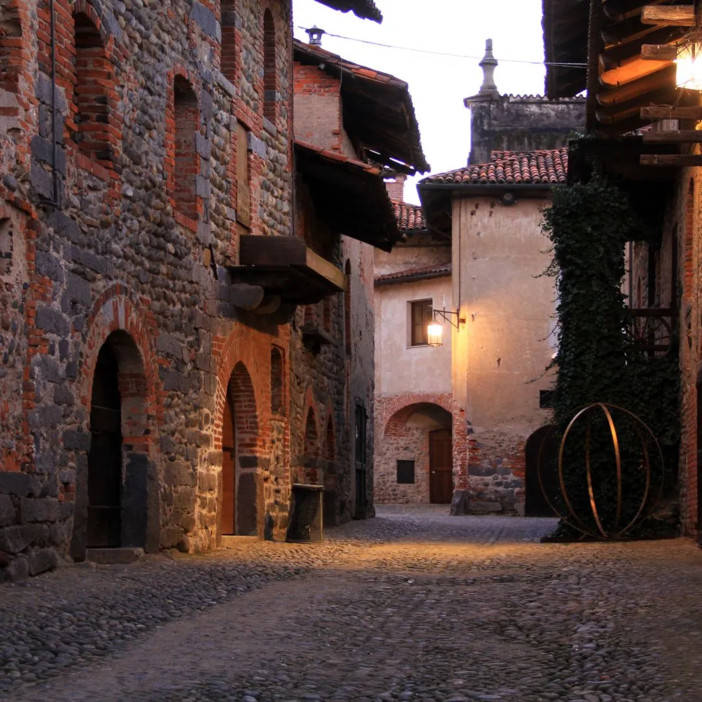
228 468
360 458
105 455
698 388
541 446
440 466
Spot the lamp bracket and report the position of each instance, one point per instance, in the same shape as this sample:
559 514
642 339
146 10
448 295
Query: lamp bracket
448 316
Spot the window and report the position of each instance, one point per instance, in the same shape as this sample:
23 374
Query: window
405 472
186 162
269 68
420 316
229 40
91 104
243 177
277 396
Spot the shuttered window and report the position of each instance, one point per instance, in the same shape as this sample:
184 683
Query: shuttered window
420 317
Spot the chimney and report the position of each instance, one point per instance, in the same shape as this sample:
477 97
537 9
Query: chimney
488 64
396 187
315 36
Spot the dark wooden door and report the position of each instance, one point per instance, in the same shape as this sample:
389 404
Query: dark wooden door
105 455
440 466
699 461
228 523
541 466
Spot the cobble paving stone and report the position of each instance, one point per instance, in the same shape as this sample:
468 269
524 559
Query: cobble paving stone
413 605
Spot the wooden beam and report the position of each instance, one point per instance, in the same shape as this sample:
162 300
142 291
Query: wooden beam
670 160
659 52
669 15
678 136
629 70
655 81
671 112
618 10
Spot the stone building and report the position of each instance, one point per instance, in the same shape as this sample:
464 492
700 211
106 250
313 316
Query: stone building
642 125
458 422
151 386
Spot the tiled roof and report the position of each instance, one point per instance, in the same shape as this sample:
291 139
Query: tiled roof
409 217
365 9
378 108
423 273
547 167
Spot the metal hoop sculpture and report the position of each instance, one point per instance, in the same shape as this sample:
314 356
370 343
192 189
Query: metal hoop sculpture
653 484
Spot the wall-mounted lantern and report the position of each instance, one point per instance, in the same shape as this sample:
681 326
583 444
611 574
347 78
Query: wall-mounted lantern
435 329
688 65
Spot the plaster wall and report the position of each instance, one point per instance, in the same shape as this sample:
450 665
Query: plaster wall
400 367
501 361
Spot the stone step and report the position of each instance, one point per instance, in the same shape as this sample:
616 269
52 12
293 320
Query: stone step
232 541
114 556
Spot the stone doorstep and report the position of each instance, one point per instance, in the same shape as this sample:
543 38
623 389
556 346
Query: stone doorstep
114 556
232 541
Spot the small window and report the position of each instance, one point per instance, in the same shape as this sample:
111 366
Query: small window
277 394
243 177
405 472
546 399
420 316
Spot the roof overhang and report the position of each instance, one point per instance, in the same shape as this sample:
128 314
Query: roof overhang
626 45
378 113
348 195
437 198
365 9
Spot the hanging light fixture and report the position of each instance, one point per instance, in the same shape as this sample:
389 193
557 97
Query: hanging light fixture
435 329
688 65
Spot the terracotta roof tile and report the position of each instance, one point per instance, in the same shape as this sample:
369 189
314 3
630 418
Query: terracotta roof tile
410 218
546 167
434 271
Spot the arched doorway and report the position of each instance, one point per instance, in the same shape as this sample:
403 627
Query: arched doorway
414 458
239 491
541 446
116 489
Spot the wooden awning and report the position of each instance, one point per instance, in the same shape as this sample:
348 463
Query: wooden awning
284 267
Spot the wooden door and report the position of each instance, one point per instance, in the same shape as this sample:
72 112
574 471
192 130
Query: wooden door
105 455
228 523
699 461
440 466
541 465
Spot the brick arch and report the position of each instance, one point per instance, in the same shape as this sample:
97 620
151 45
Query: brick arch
398 419
98 17
117 322
118 309
245 413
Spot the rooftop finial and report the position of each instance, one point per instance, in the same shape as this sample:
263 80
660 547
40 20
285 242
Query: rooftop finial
315 36
488 64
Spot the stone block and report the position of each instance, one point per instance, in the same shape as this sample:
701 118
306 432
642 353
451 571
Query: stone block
15 539
206 20
18 569
7 511
170 345
45 509
178 473
52 321
50 266
42 560
46 368
74 440
484 507
42 181
19 484
45 417
78 289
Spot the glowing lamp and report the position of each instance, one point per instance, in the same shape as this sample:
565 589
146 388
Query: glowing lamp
689 67
435 334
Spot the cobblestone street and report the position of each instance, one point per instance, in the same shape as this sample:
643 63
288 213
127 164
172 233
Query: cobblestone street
412 605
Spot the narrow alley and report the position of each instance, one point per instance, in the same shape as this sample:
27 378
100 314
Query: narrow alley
411 605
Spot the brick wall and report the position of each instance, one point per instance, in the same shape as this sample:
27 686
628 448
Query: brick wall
96 240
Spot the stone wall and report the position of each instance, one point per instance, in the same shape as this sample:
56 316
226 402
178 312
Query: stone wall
96 246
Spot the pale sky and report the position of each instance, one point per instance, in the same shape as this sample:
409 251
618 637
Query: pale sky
438 84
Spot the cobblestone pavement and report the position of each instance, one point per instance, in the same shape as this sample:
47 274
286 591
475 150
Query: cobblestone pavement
412 605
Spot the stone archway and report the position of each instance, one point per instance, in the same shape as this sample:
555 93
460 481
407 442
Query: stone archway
413 461
239 491
116 488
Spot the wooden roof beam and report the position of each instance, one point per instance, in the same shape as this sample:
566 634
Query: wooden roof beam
659 52
669 15
671 112
670 160
629 70
678 136
618 10
659 80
